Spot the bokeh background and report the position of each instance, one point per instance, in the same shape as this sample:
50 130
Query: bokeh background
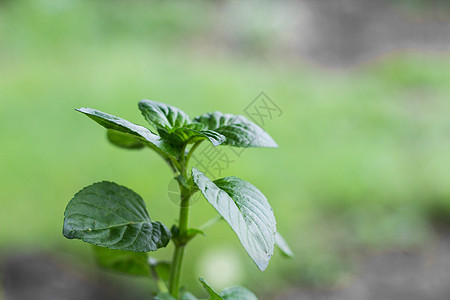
363 168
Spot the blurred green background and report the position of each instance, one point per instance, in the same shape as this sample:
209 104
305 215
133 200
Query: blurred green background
363 163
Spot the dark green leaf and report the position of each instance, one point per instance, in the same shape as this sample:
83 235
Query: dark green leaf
212 294
237 293
163 116
118 124
237 129
124 140
246 210
109 215
283 246
135 263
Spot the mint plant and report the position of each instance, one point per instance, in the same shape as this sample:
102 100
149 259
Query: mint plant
115 219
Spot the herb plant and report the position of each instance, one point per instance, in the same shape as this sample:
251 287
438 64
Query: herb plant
115 219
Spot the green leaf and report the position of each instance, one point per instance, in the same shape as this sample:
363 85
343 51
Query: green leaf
192 232
109 215
124 140
212 294
161 267
283 246
134 263
237 129
246 210
115 123
164 296
174 125
237 293
231 293
188 296
183 135
118 124
163 116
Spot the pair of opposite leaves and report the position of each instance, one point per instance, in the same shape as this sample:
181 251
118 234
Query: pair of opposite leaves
113 216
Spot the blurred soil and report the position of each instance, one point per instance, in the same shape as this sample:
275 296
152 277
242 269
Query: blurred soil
44 276
396 275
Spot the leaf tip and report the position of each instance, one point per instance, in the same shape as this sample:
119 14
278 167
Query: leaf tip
273 145
142 103
263 265
84 110
195 171
68 234
283 246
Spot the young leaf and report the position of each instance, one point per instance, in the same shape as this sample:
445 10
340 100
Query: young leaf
192 232
163 116
237 293
134 263
118 124
123 140
183 135
283 246
109 215
212 294
246 210
238 130
174 125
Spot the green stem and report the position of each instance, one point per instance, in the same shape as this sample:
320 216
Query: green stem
175 268
192 151
174 280
175 163
181 238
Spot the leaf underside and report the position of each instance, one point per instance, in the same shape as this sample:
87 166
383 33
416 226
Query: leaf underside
246 210
109 215
164 296
231 293
237 293
124 140
283 246
188 296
